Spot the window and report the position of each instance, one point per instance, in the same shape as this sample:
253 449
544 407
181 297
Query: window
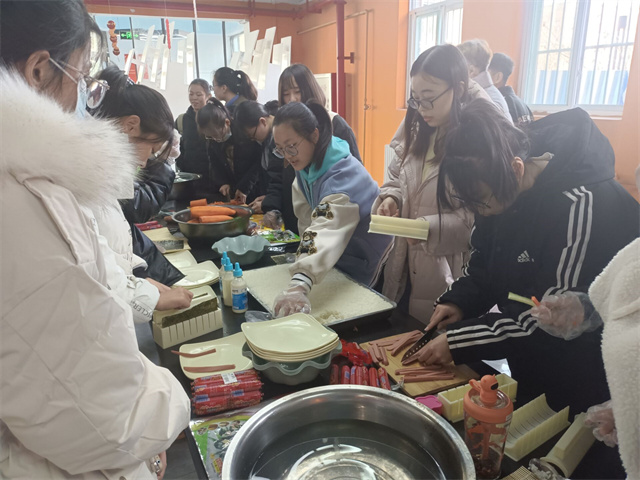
580 53
432 22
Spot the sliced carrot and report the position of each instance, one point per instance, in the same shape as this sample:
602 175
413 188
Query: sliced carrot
215 218
198 203
197 212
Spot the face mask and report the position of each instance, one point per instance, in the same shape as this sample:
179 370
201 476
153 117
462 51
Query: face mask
82 96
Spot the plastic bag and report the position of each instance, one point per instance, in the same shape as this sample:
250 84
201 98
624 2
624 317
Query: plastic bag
600 418
566 316
273 220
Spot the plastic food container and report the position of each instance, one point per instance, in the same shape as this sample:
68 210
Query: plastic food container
243 249
291 373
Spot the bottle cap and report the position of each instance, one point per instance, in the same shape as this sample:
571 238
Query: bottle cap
228 267
224 258
237 272
486 403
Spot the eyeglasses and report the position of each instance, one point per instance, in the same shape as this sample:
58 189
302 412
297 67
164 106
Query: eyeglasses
96 89
425 104
163 149
291 150
218 136
474 204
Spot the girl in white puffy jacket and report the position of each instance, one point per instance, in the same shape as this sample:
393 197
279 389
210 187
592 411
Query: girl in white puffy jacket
77 398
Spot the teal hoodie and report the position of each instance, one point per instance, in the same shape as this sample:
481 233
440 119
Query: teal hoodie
337 150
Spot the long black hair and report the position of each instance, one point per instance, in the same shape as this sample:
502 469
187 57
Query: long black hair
212 112
307 83
480 148
59 27
125 98
304 119
237 81
446 63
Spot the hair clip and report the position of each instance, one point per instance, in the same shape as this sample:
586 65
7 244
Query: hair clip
129 81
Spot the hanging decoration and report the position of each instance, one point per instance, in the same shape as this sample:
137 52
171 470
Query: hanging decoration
111 25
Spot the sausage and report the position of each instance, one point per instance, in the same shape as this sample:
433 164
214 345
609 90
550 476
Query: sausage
346 375
354 375
334 379
384 379
364 376
373 377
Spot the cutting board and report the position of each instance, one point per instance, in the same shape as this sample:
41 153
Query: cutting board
463 374
163 234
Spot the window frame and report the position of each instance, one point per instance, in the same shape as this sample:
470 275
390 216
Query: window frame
529 52
441 8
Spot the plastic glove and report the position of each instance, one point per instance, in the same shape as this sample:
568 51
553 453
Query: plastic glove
273 220
566 316
600 418
292 300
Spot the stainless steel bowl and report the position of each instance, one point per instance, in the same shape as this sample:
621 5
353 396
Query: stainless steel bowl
347 431
183 185
214 231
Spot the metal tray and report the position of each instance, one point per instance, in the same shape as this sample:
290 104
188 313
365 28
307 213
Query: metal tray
352 321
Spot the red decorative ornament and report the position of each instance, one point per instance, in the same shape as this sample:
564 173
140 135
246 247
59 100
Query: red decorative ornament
111 25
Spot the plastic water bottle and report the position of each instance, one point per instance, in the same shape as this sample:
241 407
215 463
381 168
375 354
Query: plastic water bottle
239 291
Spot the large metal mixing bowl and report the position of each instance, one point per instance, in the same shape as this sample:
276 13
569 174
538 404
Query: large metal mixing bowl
213 232
347 431
183 185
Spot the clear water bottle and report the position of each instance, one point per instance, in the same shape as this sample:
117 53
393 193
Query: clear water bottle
487 415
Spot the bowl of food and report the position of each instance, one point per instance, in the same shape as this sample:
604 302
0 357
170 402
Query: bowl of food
212 232
347 431
243 249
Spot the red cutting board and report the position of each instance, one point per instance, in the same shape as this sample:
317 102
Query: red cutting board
463 374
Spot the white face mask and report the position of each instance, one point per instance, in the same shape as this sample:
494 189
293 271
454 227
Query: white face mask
82 96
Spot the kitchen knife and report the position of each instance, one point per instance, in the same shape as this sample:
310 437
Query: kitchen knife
426 338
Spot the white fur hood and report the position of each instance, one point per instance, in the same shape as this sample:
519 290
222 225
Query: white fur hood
89 157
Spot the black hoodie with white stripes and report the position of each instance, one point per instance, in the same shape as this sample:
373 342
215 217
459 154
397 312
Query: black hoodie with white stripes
557 236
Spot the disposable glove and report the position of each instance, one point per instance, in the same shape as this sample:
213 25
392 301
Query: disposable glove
292 300
600 418
567 315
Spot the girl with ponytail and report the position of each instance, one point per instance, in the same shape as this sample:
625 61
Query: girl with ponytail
234 162
233 87
332 198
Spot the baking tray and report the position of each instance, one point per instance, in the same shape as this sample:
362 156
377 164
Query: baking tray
347 322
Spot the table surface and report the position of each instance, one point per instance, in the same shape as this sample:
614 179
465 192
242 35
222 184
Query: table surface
600 462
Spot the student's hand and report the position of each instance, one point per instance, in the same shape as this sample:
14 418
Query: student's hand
240 197
600 419
163 459
160 286
292 300
175 298
443 315
256 205
436 352
225 190
388 208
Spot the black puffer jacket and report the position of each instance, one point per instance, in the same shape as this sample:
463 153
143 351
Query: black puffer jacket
151 191
557 237
193 146
236 163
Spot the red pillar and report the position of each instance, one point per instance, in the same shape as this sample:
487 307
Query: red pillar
340 80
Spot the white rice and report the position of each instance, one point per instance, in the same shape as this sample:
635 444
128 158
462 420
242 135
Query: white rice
336 299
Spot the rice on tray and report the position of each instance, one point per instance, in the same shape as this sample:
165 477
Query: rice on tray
337 298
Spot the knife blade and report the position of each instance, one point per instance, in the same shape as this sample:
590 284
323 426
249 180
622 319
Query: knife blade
426 338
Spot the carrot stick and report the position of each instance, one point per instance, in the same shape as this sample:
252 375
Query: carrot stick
198 203
215 218
211 210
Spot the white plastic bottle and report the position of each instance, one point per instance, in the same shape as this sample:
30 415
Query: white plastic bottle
223 262
239 291
226 284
